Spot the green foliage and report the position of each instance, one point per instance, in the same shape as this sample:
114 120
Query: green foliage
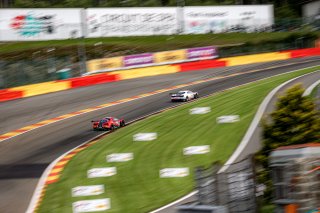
283 9
286 11
294 121
32 4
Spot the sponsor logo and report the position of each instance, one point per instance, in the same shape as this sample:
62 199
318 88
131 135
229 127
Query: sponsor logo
87 190
31 25
145 136
196 150
228 119
140 59
174 172
91 205
200 110
202 52
102 172
119 157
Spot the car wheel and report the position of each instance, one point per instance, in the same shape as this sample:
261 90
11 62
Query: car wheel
187 99
122 124
196 96
111 128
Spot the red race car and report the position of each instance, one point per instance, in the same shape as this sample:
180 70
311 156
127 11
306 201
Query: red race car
108 123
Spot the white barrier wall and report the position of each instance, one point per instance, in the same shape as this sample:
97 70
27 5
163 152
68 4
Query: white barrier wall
39 24
217 19
48 24
104 22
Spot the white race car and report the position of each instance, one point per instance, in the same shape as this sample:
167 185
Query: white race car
184 95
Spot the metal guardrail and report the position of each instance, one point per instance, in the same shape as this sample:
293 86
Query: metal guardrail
234 189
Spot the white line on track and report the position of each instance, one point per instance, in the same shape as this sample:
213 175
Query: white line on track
311 88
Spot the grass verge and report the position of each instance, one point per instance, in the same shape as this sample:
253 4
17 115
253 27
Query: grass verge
151 41
314 91
107 47
137 186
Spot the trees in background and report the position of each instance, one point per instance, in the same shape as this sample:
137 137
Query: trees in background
294 121
284 9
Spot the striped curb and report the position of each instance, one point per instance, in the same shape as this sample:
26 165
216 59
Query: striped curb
54 171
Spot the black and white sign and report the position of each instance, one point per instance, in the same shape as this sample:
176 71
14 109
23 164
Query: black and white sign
174 172
91 205
218 19
102 172
200 110
119 157
196 150
103 22
145 136
228 119
87 190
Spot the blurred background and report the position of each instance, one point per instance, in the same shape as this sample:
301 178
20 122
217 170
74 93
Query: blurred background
289 24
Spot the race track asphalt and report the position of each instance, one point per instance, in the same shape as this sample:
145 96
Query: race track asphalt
24 158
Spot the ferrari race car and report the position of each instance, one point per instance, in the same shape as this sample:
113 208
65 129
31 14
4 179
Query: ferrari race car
184 95
108 123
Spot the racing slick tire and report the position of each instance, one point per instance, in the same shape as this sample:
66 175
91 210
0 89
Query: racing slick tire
122 124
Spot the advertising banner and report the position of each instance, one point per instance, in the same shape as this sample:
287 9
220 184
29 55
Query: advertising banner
137 60
91 205
151 59
199 110
228 119
174 172
150 136
202 53
119 157
196 150
219 19
102 172
104 64
39 24
170 56
104 22
87 190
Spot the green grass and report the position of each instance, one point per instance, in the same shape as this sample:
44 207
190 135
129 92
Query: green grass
137 186
149 43
267 209
314 91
